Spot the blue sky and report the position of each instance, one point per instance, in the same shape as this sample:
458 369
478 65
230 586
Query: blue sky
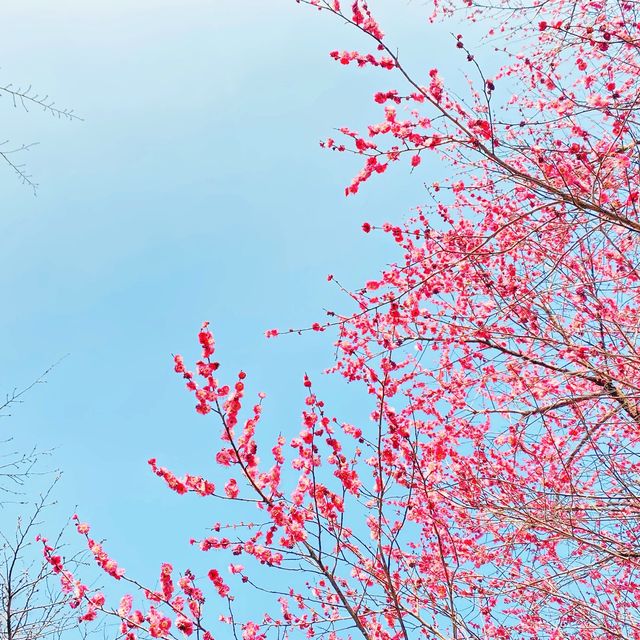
194 189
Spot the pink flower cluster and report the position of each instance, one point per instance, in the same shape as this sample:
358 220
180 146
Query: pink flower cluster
183 485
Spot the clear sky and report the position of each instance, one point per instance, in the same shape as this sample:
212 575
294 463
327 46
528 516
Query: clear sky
194 189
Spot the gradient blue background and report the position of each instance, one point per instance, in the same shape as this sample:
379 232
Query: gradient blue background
195 189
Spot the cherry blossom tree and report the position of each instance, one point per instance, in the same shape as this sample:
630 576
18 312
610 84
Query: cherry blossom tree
494 492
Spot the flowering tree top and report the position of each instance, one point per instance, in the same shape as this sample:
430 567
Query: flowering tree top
493 492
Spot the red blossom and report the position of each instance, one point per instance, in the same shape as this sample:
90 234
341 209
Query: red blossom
492 491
